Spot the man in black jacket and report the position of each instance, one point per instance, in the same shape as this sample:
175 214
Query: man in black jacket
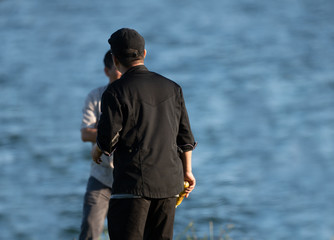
144 122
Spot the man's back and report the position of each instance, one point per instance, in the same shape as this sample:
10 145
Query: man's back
146 157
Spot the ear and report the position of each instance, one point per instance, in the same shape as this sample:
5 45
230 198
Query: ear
116 62
144 53
106 71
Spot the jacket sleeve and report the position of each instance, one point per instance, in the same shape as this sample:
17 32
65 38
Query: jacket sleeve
110 123
185 138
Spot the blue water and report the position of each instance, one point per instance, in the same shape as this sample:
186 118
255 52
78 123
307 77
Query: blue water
258 80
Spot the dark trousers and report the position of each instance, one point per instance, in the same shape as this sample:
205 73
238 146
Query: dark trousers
141 218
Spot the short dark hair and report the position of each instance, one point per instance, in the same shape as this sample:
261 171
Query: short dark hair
108 62
127 45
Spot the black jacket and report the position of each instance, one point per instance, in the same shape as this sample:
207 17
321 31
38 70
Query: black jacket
145 123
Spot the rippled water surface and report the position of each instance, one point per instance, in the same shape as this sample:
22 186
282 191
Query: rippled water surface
258 80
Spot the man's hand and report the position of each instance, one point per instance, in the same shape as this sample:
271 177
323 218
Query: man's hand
187 170
189 177
96 154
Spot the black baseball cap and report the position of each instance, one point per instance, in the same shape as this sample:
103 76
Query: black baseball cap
127 43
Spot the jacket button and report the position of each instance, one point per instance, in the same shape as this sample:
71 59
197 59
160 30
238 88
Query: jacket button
130 150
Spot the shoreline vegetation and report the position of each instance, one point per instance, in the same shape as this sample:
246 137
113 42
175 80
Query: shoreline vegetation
189 233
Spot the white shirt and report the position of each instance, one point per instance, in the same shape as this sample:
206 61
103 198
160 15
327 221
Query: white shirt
103 172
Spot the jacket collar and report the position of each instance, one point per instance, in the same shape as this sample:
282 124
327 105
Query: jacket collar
138 68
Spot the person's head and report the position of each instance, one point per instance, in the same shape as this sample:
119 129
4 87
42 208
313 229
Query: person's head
127 47
109 68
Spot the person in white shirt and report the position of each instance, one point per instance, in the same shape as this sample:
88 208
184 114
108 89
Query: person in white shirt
98 192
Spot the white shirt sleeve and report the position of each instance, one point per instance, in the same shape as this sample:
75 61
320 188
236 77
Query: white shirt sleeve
90 111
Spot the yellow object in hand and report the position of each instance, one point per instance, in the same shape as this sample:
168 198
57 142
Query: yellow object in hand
182 194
